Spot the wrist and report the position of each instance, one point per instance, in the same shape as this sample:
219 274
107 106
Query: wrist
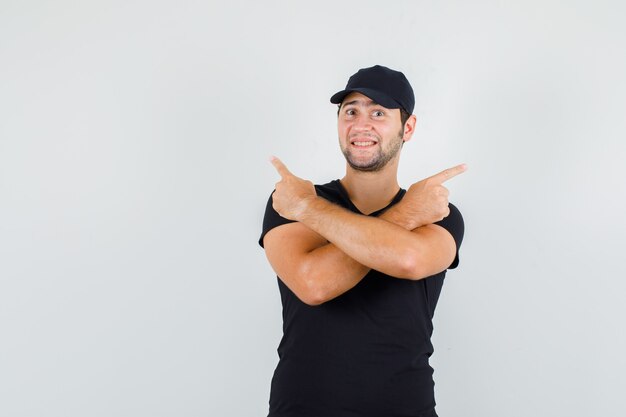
398 217
305 207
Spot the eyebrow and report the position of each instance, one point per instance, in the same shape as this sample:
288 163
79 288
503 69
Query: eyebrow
369 103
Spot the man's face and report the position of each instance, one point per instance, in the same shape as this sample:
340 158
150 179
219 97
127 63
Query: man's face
370 135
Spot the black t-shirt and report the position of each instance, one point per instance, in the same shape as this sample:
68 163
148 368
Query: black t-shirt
364 353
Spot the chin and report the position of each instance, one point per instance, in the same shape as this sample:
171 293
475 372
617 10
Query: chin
371 167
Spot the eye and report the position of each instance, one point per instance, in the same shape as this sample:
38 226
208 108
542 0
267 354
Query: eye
378 113
350 112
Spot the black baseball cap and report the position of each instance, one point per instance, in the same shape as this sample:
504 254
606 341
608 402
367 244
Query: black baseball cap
385 86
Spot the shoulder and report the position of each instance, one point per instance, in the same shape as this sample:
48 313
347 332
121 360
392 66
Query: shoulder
271 219
455 225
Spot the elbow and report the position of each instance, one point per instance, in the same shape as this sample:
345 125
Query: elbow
311 292
312 295
415 268
312 300
411 267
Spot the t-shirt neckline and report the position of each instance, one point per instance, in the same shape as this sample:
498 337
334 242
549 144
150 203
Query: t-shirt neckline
346 197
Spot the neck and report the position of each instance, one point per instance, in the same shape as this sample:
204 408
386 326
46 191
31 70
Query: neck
372 191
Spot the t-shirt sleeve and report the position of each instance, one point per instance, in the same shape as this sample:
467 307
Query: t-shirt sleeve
456 227
271 219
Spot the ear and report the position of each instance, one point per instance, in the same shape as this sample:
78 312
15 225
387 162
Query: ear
409 128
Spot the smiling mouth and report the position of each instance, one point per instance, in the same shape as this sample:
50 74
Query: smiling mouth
363 143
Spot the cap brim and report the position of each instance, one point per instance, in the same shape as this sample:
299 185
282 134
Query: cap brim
378 97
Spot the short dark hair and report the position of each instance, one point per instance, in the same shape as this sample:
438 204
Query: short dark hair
404 115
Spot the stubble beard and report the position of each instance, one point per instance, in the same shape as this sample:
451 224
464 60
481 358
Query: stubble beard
378 161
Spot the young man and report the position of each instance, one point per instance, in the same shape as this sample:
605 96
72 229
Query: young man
361 263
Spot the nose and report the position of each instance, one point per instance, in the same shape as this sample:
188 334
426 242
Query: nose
362 123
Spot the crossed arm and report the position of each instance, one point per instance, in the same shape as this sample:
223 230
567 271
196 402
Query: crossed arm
330 249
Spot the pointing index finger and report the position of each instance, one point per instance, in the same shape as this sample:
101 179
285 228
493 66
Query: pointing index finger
449 173
280 167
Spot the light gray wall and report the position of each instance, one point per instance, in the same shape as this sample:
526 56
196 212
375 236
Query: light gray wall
134 138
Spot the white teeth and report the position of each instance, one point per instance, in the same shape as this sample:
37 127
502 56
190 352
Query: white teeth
363 143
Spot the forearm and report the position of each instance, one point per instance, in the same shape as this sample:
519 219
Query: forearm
375 243
331 272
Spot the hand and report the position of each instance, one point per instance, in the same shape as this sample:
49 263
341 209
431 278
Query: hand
292 193
426 201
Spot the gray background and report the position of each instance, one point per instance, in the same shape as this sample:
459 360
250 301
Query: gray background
134 139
